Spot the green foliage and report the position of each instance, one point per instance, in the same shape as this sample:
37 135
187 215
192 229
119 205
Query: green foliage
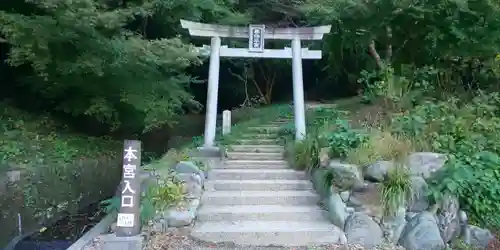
475 179
454 126
166 192
287 130
342 138
380 146
306 153
258 117
396 190
32 140
91 58
468 132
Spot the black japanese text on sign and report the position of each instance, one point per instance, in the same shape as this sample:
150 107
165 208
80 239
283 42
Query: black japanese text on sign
256 38
128 220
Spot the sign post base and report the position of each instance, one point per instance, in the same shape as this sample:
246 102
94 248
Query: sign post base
112 242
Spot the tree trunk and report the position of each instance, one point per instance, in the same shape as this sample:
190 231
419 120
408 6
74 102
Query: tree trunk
373 52
388 55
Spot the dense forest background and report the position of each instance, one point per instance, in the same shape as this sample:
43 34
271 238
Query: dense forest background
128 67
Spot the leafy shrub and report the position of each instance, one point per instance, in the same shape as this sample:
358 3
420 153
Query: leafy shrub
469 132
341 138
168 191
475 180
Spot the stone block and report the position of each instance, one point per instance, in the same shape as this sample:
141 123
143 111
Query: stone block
113 242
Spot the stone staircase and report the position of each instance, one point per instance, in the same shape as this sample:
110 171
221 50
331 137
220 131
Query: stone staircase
253 198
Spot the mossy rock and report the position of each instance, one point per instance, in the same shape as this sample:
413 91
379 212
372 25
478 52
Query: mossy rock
318 180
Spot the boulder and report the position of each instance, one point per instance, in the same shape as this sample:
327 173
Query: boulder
324 157
448 219
192 184
410 215
393 226
425 163
318 181
345 195
378 170
361 229
188 167
422 232
479 237
180 218
193 187
345 176
419 201
337 210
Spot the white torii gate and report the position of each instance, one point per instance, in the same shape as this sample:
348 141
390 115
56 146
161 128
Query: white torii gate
256 35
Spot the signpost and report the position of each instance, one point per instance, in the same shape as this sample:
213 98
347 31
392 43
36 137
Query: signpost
128 219
256 35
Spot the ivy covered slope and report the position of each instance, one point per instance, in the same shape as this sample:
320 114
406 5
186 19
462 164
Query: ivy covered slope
28 141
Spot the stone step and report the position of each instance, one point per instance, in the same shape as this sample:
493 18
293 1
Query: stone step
256 148
259 136
257 141
256 174
282 233
253 185
261 213
265 128
280 122
231 198
249 164
254 156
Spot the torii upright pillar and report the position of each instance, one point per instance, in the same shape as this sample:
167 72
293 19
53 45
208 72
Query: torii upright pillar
256 35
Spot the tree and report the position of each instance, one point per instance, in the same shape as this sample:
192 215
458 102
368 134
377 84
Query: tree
94 58
409 32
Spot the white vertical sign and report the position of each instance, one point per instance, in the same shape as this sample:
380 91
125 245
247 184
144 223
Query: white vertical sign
256 37
128 223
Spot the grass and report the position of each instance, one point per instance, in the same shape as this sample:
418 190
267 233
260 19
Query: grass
381 145
396 190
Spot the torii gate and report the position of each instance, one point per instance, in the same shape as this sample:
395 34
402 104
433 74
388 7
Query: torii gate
256 35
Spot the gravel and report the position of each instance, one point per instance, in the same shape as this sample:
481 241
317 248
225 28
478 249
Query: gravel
180 239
